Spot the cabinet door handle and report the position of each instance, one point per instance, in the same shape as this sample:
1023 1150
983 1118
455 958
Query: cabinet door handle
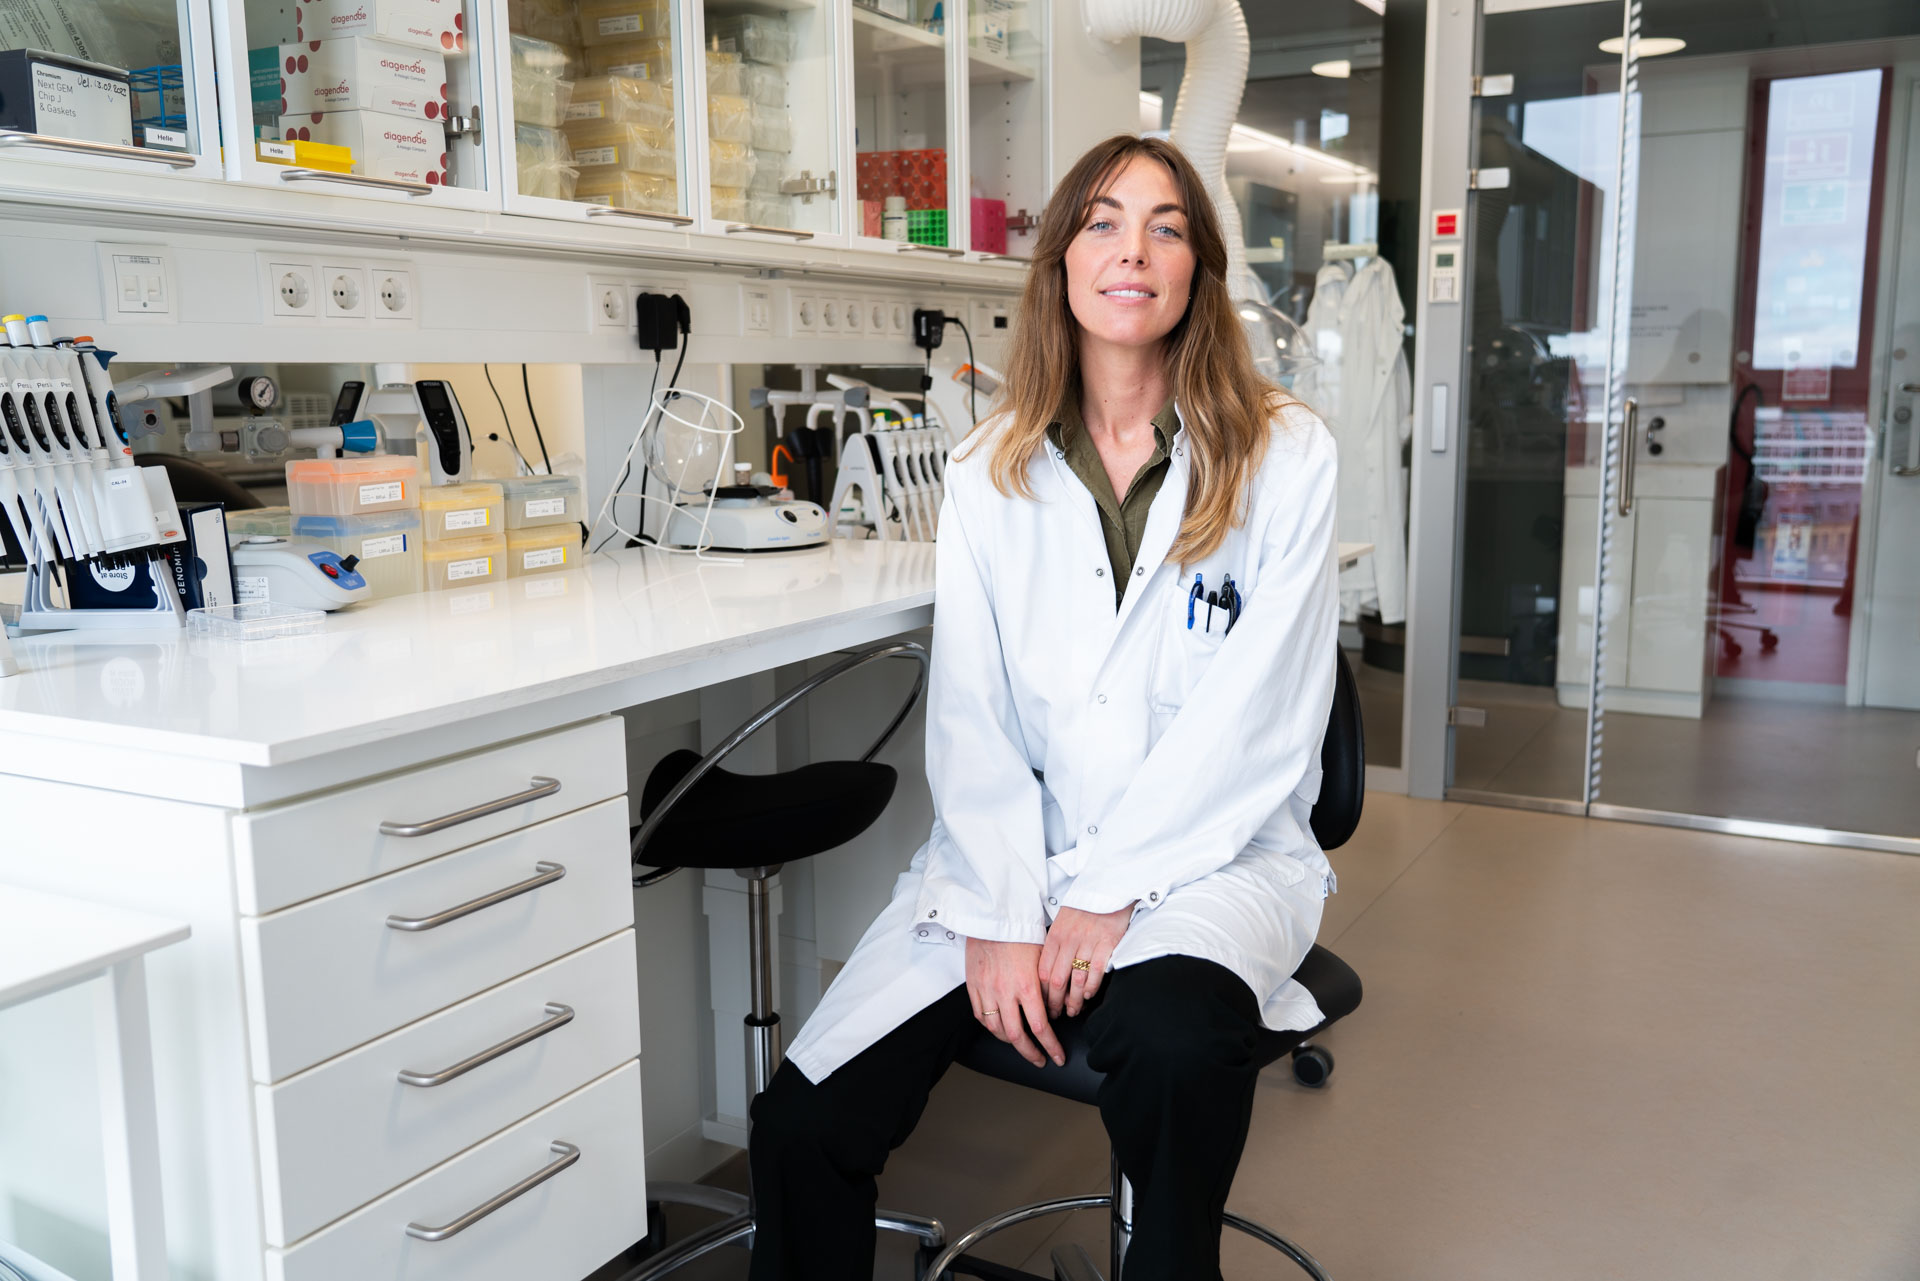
755 229
356 180
615 211
912 247
542 786
558 1016
565 1154
548 874
21 138
1630 454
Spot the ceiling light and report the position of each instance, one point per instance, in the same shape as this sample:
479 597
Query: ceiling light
1643 46
1338 69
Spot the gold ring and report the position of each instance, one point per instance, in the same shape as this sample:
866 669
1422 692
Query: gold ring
989 1014
1082 963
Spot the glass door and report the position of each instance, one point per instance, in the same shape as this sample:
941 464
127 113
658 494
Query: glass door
903 103
1760 599
1006 93
1549 234
116 84
772 140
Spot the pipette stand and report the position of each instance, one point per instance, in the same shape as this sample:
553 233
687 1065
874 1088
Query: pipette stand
41 613
858 477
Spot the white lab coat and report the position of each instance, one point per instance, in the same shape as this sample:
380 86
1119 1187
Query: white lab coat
1083 758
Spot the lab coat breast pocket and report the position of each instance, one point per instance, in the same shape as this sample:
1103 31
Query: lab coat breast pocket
1181 653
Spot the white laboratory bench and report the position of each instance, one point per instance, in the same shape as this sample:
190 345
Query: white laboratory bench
321 1111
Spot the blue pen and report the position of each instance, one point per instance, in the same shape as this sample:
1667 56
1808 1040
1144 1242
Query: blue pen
1199 589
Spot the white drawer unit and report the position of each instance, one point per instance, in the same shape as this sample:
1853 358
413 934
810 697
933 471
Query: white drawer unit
335 1137
294 852
551 1199
341 970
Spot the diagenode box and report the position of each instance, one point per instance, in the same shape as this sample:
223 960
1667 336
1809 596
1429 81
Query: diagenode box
363 73
64 97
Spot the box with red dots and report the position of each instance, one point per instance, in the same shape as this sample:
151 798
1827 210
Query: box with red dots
363 73
423 24
384 146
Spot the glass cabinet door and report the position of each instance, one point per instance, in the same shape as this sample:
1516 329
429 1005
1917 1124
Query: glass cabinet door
771 111
380 98
1007 172
123 84
902 102
592 115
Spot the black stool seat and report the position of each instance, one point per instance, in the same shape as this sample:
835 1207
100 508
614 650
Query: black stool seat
736 820
1334 985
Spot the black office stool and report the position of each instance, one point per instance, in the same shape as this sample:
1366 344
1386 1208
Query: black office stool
1335 988
695 814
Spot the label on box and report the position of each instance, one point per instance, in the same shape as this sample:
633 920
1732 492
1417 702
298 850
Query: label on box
625 24
251 590
632 71
595 157
80 104
544 558
546 507
595 110
175 139
388 491
386 545
478 567
279 152
471 518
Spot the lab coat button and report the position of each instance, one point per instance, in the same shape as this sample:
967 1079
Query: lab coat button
949 933
1138 570
923 933
1153 898
1099 573
1053 902
1102 698
932 914
1093 830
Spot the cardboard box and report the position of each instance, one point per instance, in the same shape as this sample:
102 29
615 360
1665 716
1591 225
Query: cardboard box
363 73
384 146
64 97
419 24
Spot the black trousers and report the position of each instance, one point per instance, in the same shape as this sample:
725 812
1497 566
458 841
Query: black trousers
1175 1037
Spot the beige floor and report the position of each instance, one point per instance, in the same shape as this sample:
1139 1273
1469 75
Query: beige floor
1587 1050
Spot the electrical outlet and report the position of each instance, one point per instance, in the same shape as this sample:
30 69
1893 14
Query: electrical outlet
756 310
853 315
899 319
293 290
830 316
609 303
138 281
805 315
393 296
346 292
876 318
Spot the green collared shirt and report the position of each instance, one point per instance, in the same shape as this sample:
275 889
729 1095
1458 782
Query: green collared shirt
1123 519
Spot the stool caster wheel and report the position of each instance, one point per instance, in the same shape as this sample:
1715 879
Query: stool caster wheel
1312 1066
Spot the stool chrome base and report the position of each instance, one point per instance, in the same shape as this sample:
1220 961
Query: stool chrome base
1074 1265
737 1227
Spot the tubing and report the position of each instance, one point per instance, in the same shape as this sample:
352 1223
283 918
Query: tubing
1215 33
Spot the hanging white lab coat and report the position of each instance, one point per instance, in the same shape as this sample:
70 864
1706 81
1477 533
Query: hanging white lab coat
1087 759
1372 427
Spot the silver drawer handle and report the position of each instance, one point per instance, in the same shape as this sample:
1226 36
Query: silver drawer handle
21 138
558 1016
914 247
616 211
565 1153
356 180
541 787
548 874
757 229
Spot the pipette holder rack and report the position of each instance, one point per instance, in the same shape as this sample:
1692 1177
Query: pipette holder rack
39 612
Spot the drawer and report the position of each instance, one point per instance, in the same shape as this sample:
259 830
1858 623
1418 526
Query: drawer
337 1136
294 852
588 1210
337 972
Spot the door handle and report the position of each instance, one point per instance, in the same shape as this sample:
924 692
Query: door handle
1630 454
1908 469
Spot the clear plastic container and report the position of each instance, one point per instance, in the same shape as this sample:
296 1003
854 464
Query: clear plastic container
622 100
353 486
550 20
608 21
537 551
599 145
726 73
462 511
771 130
768 168
766 85
544 162
261 522
729 164
462 562
649 191
729 118
759 37
389 546
536 501
640 59
730 203
256 620
769 211
540 86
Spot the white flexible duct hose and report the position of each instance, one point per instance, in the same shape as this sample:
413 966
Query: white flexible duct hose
1215 33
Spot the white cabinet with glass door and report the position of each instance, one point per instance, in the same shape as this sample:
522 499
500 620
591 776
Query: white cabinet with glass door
109 85
376 98
1006 175
905 103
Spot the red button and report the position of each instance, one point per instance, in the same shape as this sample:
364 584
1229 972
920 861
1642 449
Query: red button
330 571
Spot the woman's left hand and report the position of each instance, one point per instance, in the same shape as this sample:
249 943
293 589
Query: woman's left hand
1077 935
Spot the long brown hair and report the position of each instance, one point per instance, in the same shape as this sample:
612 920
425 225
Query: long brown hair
1225 405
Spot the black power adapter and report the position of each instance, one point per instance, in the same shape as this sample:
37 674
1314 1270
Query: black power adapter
660 320
929 327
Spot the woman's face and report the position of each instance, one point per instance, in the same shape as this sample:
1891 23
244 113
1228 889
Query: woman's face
1130 266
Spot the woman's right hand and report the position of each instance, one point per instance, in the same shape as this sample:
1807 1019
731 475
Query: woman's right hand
1003 983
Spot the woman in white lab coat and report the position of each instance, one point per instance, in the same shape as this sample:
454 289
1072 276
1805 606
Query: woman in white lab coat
1122 769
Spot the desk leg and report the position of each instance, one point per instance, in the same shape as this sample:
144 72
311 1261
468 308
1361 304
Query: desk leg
128 1125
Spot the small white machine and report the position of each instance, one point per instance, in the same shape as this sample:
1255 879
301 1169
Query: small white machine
297 572
745 522
426 411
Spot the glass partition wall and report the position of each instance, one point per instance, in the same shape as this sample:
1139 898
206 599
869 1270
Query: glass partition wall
1692 483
